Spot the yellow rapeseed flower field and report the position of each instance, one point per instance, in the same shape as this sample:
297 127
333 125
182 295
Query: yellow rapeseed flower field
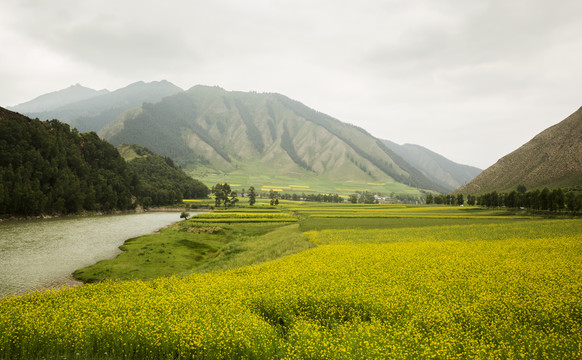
477 291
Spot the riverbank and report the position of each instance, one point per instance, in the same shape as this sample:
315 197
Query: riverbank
176 209
138 210
62 283
65 282
64 216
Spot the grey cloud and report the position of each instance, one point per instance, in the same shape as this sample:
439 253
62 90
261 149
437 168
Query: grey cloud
410 71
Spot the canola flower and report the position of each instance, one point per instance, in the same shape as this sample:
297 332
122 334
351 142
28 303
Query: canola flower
489 291
242 217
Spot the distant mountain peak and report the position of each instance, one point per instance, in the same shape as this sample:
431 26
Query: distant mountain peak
56 99
435 166
97 108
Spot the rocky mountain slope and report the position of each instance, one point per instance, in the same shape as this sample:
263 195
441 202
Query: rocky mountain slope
216 130
553 158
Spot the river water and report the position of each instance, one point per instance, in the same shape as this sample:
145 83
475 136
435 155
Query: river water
38 253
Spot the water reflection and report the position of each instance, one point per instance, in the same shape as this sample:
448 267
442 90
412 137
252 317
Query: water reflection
39 252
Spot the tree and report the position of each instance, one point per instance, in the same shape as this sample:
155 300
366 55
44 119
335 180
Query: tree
353 198
460 199
571 202
511 199
233 199
429 198
494 199
521 189
545 199
369 198
273 196
184 215
252 196
218 194
222 192
557 200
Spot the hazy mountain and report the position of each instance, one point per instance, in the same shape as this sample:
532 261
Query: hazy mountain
210 128
436 167
553 158
54 100
93 113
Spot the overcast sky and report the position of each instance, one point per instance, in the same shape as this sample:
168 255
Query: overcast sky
471 80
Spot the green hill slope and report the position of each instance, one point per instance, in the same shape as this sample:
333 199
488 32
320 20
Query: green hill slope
215 133
553 158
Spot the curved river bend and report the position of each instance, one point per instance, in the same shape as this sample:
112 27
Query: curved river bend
39 253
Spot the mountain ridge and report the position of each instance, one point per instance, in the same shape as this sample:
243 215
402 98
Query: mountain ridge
284 145
56 99
93 113
435 166
231 129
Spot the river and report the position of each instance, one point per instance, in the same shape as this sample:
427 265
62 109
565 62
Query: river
38 253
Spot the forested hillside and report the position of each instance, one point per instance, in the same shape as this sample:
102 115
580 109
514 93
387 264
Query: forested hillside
45 168
161 181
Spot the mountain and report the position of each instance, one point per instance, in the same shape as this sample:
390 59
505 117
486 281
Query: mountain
45 168
553 158
161 181
441 170
211 130
93 113
54 100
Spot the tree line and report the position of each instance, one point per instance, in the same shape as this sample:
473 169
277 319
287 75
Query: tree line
448 199
554 200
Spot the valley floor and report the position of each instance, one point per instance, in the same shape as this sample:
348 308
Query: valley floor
320 281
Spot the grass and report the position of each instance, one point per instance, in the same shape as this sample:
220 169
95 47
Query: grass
280 242
485 286
168 252
210 241
254 175
321 223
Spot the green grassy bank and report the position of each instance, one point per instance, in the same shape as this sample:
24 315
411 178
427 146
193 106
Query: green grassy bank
213 241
